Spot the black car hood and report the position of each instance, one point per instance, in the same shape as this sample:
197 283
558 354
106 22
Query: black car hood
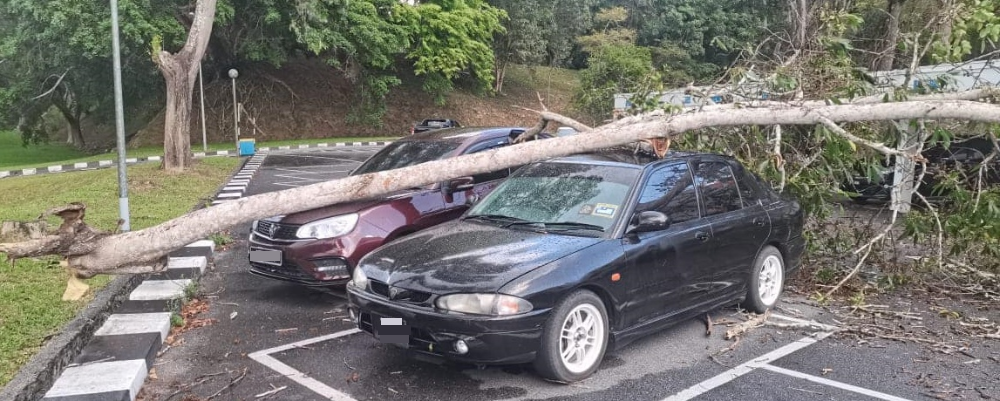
462 256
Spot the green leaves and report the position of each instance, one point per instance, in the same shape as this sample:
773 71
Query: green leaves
613 68
452 36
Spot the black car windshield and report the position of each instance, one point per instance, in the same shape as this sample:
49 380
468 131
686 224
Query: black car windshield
406 153
560 196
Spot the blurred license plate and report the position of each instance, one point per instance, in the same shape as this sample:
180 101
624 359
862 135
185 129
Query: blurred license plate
392 330
266 256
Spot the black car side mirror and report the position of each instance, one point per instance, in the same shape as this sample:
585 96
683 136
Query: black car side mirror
649 220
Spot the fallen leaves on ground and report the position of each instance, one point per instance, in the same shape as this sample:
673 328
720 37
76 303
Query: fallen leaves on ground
190 312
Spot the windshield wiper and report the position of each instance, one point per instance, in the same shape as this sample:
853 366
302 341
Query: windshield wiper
558 226
493 217
570 225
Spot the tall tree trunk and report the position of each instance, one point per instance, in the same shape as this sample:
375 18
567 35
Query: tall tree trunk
887 57
72 116
904 177
180 71
798 16
177 130
501 73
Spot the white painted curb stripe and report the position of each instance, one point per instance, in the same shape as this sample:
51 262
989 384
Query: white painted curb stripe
203 243
136 323
153 290
99 378
188 262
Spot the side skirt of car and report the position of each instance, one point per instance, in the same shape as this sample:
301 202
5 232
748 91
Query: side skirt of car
620 339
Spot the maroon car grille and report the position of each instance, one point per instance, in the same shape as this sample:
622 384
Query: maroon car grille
272 230
399 294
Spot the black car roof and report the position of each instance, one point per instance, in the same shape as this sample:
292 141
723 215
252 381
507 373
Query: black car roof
626 156
461 134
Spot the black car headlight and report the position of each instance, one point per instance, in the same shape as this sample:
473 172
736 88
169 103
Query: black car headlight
359 279
484 304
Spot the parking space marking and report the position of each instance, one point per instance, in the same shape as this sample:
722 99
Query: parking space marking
832 383
264 358
329 158
764 362
744 368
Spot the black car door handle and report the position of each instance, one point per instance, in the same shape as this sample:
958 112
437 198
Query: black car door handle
759 221
701 236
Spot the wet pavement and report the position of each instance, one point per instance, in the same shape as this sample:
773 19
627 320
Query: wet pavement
301 340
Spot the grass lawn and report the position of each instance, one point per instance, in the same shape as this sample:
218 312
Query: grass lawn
31 305
13 156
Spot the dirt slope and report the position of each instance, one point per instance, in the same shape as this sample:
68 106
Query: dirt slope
307 99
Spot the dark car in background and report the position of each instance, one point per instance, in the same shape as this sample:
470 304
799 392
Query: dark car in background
573 256
962 156
433 124
320 247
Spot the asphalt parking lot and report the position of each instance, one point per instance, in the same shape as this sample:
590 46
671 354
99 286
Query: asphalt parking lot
271 335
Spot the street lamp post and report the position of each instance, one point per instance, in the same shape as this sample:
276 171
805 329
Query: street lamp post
123 211
236 107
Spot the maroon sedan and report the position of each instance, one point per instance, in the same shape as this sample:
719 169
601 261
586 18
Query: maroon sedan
320 247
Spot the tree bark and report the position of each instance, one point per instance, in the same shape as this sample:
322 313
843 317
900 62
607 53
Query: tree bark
72 115
887 57
143 250
179 71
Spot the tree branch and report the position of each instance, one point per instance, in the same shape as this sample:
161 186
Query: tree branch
150 245
54 86
836 129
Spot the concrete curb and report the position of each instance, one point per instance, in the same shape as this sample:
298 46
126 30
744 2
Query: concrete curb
102 355
136 160
116 361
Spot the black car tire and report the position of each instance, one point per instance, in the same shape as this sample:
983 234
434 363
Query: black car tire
549 362
771 265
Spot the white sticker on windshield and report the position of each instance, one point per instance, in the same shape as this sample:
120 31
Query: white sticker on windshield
605 210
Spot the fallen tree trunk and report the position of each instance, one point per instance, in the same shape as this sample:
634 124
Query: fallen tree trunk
143 250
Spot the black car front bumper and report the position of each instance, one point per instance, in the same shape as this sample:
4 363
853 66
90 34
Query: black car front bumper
490 340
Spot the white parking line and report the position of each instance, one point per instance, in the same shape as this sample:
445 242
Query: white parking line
832 383
264 358
329 158
744 368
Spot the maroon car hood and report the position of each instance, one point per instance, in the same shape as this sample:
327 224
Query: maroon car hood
339 209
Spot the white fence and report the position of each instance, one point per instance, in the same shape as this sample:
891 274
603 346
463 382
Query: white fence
956 77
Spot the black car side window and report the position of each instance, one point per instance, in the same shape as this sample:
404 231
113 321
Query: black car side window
718 188
482 147
670 190
748 188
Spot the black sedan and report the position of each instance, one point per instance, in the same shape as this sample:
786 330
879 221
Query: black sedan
572 256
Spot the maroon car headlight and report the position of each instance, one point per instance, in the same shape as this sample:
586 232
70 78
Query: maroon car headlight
484 304
328 228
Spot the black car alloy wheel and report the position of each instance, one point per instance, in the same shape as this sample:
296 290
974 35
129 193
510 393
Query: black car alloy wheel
574 339
766 280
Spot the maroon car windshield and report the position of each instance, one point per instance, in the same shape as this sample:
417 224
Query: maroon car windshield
406 153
